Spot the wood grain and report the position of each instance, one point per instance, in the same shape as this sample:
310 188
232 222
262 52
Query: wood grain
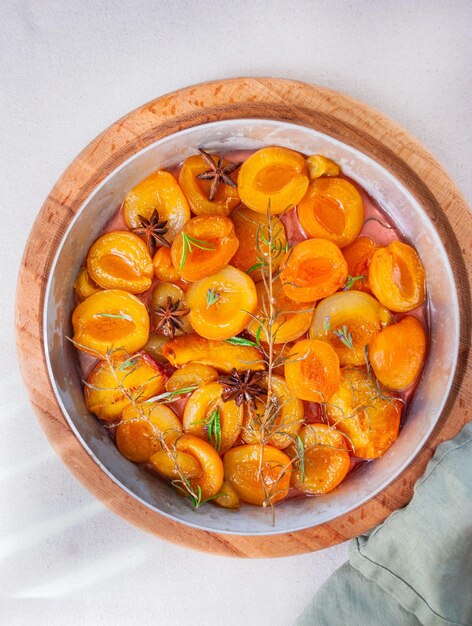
318 108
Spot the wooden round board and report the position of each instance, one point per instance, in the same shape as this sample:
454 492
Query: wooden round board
308 105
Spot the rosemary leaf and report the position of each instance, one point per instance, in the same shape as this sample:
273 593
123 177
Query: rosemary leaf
240 341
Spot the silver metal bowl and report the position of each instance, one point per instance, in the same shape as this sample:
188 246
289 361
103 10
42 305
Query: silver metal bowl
428 401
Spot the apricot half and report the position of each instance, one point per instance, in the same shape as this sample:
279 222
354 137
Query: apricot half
275 177
174 465
110 320
159 191
120 260
368 416
358 255
312 370
332 209
221 304
204 246
349 320
314 269
319 165
323 460
397 277
211 479
163 266
397 353
259 475
84 285
190 375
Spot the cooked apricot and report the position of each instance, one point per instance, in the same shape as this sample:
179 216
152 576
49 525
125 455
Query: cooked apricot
397 353
227 498
349 320
169 310
221 355
312 370
173 464
397 278
273 176
161 192
142 428
155 345
204 246
367 415
108 391
259 475
292 319
323 461
252 232
110 319
319 165
358 255
84 285
192 374
208 417
211 478
279 426
221 304
163 267
332 209
197 190
314 269
120 260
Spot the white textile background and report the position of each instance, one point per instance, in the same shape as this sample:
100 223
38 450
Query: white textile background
68 70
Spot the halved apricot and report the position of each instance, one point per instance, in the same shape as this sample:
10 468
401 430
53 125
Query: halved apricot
190 375
163 266
312 370
275 177
108 391
397 353
211 479
169 310
368 416
208 417
159 191
227 498
319 165
253 234
142 428
108 320
358 255
221 355
221 304
258 474
292 319
173 464
84 285
197 191
349 320
314 269
277 426
397 277
120 260
332 209
204 246
323 461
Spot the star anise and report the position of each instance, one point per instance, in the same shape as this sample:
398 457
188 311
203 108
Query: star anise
169 317
152 230
242 387
217 173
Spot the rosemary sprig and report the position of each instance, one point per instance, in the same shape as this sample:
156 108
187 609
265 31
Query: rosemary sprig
241 341
301 457
121 316
351 280
214 429
212 296
344 336
189 243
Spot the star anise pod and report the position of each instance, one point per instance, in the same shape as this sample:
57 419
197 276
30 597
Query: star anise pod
153 231
242 387
217 173
169 317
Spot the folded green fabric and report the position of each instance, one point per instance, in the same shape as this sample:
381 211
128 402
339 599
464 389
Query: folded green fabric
416 567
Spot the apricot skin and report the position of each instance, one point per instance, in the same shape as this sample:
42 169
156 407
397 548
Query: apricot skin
211 479
84 285
358 255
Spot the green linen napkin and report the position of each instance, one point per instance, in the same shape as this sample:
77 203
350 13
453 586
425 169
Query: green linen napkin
416 567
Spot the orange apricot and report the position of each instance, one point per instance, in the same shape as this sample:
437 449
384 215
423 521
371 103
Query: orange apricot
221 304
314 269
84 285
312 370
349 320
208 417
142 428
163 267
365 414
358 255
164 297
192 374
204 246
108 390
397 353
159 191
211 479
397 277
173 464
110 320
275 177
259 475
120 260
221 355
197 190
324 461
332 209
252 232
227 498
319 165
